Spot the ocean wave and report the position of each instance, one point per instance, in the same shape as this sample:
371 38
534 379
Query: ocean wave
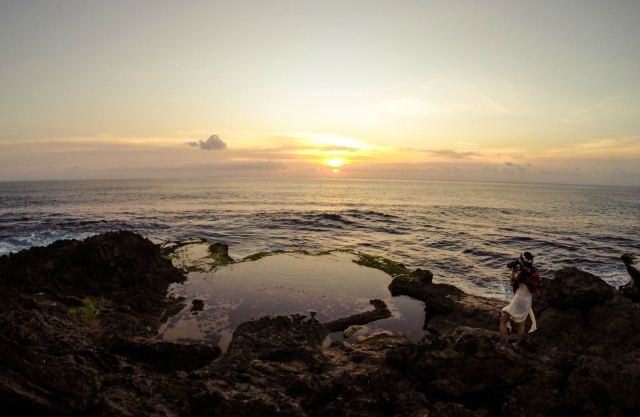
471 237
43 238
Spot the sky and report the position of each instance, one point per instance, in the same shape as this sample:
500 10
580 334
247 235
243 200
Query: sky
521 91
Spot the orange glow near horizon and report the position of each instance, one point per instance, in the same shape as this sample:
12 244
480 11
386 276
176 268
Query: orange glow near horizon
337 151
335 162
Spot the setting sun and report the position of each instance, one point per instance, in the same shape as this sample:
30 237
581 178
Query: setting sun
335 162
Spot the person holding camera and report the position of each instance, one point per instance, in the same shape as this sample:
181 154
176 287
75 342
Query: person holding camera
525 280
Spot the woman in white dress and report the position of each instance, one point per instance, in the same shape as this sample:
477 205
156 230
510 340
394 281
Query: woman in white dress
520 306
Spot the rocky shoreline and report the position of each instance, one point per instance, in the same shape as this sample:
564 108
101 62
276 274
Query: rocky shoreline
77 320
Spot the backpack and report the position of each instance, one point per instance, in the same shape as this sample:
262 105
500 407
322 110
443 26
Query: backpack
534 283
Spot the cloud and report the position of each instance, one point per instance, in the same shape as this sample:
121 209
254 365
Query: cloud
451 154
446 153
213 143
622 146
513 165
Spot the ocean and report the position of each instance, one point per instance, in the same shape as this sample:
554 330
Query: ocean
465 233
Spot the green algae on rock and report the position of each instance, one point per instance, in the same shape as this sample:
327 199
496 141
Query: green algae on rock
89 308
219 254
259 255
394 269
197 255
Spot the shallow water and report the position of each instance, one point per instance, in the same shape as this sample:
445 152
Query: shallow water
465 233
330 285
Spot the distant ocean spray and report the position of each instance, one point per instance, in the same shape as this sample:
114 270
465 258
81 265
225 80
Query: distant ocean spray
464 232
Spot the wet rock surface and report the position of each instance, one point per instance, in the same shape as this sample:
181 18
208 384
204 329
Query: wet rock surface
77 318
632 288
380 311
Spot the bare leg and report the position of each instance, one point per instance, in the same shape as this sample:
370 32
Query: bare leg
504 319
520 332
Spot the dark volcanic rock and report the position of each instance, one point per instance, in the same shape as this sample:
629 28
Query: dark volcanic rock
48 363
76 317
422 275
61 304
120 277
632 288
630 262
471 364
446 306
379 312
278 338
114 264
573 288
219 252
439 298
354 380
166 356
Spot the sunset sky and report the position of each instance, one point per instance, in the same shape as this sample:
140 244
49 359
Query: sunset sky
534 91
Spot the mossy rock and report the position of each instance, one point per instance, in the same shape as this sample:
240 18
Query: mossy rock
194 268
259 255
89 308
219 253
219 259
395 269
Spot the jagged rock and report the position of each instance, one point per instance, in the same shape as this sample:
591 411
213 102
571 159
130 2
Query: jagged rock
113 264
60 306
615 325
423 275
595 377
439 299
219 252
446 409
573 288
277 338
632 288
379 312
465 310
75 341
166 356
48 364
470 364
630 261
560 326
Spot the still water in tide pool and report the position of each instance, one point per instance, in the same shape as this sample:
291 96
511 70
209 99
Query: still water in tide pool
331 286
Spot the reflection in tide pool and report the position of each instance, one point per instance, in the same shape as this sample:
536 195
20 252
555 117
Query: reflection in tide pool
330 285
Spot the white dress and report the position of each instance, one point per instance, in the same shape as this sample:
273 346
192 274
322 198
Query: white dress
520 307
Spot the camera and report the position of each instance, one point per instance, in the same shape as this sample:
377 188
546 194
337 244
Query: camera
514 265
